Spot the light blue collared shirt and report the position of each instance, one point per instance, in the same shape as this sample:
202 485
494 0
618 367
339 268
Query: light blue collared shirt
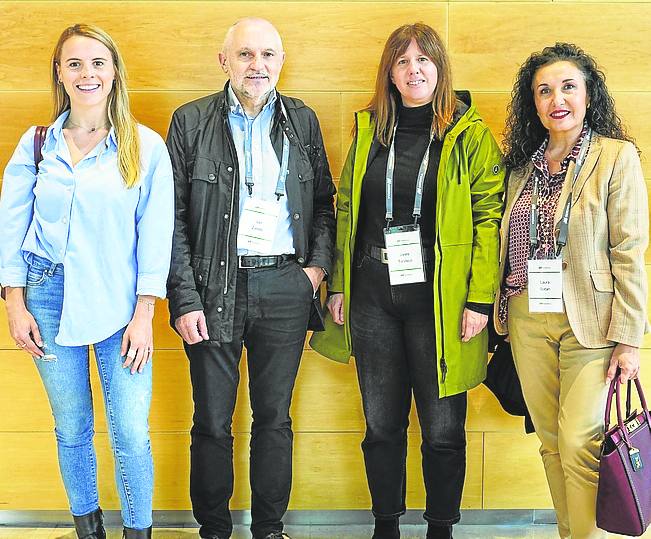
265 167
114 243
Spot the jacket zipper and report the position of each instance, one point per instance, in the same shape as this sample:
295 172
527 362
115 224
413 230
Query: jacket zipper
442 362
236 173
444 365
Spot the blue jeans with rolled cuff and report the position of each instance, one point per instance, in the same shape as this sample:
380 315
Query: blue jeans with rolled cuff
395 353
64 371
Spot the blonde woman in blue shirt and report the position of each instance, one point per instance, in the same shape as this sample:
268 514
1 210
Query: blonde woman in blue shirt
84 252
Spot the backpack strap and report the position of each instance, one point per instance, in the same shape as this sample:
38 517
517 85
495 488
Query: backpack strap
39 141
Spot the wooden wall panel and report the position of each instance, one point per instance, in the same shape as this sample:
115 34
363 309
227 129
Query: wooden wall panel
327 471
487 44
333 49
513 472
191 33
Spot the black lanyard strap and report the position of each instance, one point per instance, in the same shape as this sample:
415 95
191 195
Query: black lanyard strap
564 223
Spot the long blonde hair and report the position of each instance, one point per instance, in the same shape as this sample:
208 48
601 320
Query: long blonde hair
384 104
119 113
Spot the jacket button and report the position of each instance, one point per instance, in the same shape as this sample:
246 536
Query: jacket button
297 216
225 216
291 135
219 309
230 169
564 265
300 260
222 263
211 176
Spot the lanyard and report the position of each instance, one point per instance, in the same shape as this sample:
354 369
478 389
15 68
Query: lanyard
418 197
248 158
563 225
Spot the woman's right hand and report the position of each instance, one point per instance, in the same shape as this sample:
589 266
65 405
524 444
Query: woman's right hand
22 325
336 307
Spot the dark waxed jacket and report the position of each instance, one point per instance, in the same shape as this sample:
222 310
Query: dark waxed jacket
206 177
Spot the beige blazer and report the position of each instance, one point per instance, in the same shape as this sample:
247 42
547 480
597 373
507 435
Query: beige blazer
604 278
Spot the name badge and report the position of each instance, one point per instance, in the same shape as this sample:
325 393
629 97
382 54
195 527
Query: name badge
257 227
404 254
545 286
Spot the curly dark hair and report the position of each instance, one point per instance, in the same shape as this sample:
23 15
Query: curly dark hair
524 132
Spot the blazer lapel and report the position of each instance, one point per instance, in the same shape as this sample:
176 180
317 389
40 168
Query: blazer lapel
589 165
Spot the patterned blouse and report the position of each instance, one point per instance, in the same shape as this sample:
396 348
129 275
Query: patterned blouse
549 192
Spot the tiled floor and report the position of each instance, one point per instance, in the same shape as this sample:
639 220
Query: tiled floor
308 532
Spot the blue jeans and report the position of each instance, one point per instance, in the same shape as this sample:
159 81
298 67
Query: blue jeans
64 371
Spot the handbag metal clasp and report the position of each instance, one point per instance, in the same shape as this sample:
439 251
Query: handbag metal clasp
632 425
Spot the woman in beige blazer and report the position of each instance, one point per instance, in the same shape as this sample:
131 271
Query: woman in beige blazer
573 298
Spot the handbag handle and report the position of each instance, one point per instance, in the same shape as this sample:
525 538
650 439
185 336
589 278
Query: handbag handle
609 400
615 386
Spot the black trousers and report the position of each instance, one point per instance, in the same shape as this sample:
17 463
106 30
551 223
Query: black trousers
271 314
395 353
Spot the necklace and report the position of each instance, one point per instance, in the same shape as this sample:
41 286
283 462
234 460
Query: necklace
87 129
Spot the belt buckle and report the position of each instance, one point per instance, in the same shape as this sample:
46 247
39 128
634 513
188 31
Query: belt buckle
384 256
240 265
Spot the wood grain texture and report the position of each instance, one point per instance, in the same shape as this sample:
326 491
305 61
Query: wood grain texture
328 472
489 42
174 45
513 472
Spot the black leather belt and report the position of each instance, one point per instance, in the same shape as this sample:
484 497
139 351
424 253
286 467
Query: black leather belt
380 253
269 261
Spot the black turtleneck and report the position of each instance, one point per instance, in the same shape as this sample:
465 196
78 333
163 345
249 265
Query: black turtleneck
412 136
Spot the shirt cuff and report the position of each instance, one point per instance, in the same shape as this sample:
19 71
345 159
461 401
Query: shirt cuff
148 285
14 276
481 308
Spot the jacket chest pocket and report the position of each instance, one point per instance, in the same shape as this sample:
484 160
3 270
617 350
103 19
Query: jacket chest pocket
209 171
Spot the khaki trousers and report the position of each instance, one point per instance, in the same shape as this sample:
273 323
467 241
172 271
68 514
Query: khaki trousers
565 390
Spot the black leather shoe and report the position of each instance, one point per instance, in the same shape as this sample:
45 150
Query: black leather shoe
90 526
438 532
130 533
386 529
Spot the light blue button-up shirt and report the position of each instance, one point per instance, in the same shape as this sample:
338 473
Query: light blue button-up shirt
265 168
114 243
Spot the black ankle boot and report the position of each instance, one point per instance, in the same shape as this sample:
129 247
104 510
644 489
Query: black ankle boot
438 532
130 533
90 526
386 529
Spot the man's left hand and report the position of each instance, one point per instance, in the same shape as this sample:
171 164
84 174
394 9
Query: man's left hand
315 275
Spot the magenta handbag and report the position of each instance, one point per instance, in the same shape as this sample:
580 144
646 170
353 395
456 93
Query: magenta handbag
624 493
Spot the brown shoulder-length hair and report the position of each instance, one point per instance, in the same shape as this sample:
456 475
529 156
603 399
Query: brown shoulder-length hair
119 112
384 104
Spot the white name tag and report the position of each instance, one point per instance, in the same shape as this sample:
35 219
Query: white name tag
257 227
405 254
545 288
